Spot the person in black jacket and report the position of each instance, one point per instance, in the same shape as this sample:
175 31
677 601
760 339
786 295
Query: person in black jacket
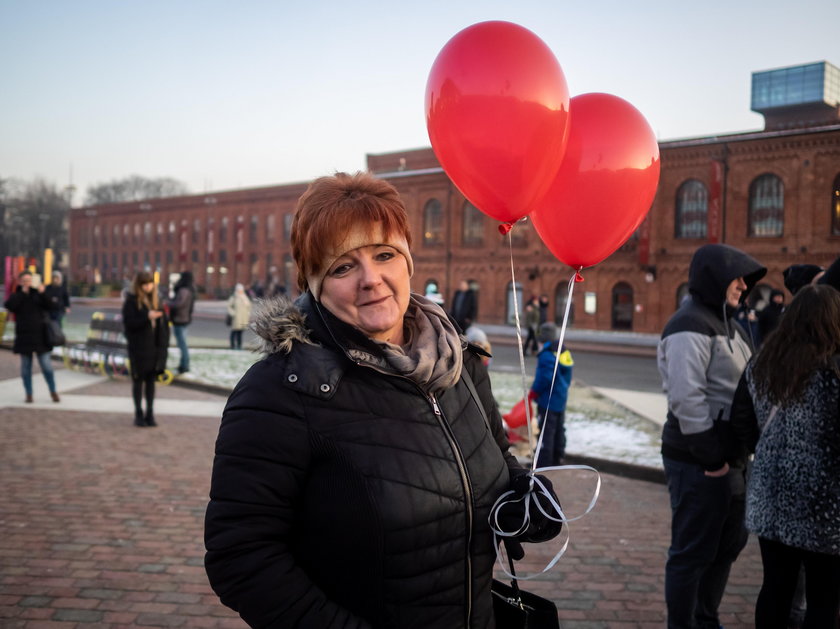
701 355
181 308
30 306
147 332
357 463
57 293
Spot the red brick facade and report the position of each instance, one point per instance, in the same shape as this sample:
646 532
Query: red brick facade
241 235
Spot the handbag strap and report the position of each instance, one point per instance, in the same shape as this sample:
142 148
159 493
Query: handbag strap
465 375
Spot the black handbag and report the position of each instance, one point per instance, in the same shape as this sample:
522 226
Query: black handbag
53 334
514 608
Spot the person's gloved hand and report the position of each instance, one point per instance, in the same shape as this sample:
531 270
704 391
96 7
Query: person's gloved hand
511 514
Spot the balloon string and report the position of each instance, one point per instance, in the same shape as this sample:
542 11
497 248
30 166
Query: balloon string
576 277
536 486
525 387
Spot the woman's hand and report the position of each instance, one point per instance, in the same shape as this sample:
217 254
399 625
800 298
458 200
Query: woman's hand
718 473
155 314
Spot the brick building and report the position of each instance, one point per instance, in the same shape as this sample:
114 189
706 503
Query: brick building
773 193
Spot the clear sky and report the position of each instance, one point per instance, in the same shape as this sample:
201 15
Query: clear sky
244 93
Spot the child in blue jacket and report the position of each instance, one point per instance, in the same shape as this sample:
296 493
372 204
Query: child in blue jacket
552 422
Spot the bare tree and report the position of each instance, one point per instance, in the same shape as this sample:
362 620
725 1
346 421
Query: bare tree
35 218
134 188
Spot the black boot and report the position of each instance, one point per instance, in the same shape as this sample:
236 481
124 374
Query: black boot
136 393
150 402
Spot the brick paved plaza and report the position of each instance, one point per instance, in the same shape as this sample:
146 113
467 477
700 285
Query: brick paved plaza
101 526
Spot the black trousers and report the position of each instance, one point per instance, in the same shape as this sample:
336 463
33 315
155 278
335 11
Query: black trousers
781 572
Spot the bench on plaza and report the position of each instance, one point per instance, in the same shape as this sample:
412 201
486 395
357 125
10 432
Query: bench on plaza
105 350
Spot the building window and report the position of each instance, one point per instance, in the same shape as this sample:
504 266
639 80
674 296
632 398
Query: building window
510 310
170 236
105 236
126 234
561 296
835 207
269 227
115 235
253 226
767 206
287 226
473 231
96 236
147 233
159 234
518 235
622 306
223 256
692 209
223 229
137 231
433 223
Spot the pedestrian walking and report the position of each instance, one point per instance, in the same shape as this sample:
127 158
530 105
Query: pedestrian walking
181 310
147 333
357 464
551 393
57 293
464 305
31 306
239 315
532 323
787 411
701 355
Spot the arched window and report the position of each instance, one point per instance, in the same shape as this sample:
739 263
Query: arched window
561 295
473 231
835 207
767 206
692 208
682 294
253 228
433 222
170 235
147 233
196 234
223 230
622 306
510 315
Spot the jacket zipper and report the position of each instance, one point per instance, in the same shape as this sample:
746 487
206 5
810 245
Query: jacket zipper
459 460
465 480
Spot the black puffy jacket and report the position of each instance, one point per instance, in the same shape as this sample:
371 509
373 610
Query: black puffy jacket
342 496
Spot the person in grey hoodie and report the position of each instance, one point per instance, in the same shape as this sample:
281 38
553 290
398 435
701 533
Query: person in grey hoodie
701 355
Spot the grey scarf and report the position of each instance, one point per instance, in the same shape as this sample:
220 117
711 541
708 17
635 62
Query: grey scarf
432 356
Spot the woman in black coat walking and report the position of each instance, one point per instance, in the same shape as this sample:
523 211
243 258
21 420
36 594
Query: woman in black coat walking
30 306
147 332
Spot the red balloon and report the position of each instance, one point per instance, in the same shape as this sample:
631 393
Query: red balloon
497 108
605 185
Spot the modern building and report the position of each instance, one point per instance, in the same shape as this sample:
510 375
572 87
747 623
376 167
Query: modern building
774 193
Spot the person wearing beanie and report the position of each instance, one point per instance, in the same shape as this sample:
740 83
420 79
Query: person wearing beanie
831 276
799 275
551 394
357 464
768 318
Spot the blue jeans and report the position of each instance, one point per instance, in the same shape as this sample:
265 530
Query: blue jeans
707 533
46 368
181 340
236 339
553 447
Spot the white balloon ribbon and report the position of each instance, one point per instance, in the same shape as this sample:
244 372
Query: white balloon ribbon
536 486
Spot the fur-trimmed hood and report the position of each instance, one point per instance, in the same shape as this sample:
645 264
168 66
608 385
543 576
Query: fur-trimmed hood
279 322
